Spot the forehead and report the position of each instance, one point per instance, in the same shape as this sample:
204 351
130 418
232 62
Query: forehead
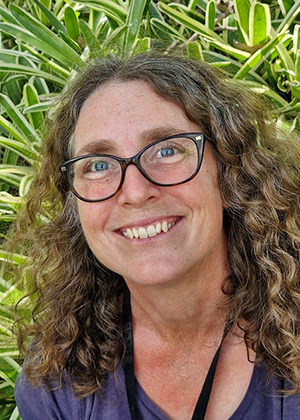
122 112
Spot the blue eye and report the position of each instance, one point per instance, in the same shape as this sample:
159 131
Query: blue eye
99 166
167 151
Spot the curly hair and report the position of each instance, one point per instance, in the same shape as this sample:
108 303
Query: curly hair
77 302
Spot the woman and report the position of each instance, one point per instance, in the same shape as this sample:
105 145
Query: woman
169 263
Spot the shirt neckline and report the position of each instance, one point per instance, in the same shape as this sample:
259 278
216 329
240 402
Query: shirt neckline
238 414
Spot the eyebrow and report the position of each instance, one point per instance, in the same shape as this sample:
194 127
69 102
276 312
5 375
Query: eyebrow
97 147
102 146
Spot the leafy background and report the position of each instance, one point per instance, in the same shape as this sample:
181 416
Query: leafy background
44 43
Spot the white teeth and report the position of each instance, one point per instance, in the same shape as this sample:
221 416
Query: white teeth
143 233
164 227
135 233
151 231
129 233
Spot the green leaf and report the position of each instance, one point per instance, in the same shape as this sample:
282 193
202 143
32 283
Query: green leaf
25 185
15 415
285 6
14 68
39 107
12 87
164 31
15 169
13 202
17 259
210 15
186 11
19 120
258 57
133 22
8 17
31 97
297 68
51 66
194 50
292 14
142 45
71 22
190 23
228 49
25 36
110 8
13 364
51 17
70 42
154 13
13 56
259 23
198 27
46 40
10 368
242 11
41 86
295 87
41 16
12 130
8 158
286 60
296 40
266 91
90 38
11 296
114 36
193 4
19 148
9 181
8 177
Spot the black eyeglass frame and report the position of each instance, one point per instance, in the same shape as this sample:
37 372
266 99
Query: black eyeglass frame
197 138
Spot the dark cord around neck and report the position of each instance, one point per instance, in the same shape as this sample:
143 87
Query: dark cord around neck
128 366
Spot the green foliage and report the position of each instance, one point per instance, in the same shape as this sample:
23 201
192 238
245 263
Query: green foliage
9 366
44 42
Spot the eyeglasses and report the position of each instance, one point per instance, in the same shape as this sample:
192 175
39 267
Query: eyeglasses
166 162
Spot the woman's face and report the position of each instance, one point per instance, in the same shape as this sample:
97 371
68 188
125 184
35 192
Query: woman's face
120 119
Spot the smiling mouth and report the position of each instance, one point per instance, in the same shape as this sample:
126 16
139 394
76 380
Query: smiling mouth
148 232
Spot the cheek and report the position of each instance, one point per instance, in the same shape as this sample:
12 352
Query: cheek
206 204
84 215
206 191
97 222
92 219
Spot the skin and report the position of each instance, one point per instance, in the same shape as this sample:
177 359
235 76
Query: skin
175 278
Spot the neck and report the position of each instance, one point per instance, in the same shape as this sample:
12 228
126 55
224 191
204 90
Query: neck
192 312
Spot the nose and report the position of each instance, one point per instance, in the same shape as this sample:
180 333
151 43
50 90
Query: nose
136 189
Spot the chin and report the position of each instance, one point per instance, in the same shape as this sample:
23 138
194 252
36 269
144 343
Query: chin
150 278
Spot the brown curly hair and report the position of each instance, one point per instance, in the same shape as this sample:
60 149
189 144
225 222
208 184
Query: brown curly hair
77 311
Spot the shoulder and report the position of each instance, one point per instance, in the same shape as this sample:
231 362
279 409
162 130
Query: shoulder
264 399
60 403
290 405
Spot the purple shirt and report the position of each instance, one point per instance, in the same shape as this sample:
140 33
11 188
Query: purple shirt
261 402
